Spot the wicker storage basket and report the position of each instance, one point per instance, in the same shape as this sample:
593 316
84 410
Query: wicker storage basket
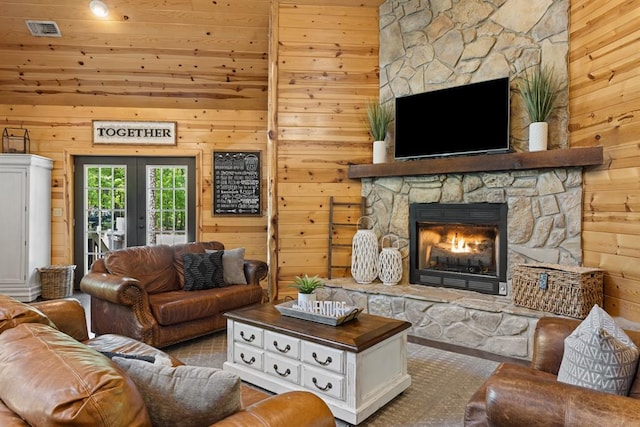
561 289
56 281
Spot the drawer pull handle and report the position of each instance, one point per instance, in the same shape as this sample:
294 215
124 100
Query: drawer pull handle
281 350
250 339
325 388
282 374
325 363
248 362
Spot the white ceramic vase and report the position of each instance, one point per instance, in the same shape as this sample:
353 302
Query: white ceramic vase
305 299
379 152
538 134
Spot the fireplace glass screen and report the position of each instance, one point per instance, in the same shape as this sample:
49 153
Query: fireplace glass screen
458 248
459 245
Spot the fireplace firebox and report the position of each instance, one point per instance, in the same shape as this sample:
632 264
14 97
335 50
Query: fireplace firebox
460 246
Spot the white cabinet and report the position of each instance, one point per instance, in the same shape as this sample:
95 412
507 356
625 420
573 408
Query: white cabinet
25 223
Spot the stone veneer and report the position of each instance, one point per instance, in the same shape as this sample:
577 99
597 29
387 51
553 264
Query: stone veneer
544 218
467 319
431 44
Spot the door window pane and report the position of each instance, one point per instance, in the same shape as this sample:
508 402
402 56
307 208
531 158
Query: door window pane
167 205
104 210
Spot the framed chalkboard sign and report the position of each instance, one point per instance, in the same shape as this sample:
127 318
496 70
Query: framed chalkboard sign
237 183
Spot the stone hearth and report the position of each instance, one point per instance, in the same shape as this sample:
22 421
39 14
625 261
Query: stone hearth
468 319
487 323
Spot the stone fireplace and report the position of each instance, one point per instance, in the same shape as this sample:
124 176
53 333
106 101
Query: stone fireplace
543 195
461 246
543 211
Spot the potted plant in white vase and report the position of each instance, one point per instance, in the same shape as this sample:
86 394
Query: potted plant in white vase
540 90
306 288
379 118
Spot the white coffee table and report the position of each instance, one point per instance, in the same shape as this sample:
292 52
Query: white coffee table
356 368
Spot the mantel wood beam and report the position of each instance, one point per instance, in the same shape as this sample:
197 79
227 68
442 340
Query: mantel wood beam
583 156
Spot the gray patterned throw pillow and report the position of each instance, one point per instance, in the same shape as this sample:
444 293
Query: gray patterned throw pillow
203 271
185 396
599 355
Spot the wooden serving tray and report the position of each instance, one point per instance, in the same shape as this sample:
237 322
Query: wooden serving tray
286 309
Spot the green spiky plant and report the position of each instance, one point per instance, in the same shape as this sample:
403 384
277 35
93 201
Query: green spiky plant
306 284
540 90
379 118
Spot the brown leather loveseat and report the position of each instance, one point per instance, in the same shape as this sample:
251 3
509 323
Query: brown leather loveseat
139 292
517 395
52 374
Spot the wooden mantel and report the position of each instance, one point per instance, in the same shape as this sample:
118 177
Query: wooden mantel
584 156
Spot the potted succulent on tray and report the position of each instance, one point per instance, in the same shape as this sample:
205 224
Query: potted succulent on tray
540 90
379 118
306 287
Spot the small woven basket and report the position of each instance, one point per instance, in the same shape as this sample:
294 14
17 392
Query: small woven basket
561 289
56 281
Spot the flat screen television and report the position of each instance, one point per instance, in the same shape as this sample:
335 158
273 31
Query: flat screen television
467 119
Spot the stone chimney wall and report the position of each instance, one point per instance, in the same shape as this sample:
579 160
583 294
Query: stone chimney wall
432 44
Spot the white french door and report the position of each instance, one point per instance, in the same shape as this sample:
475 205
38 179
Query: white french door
131 201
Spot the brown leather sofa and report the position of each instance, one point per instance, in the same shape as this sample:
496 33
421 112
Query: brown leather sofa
517 395
138 292
46 350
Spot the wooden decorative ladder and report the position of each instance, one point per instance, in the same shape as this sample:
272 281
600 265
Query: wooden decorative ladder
347 223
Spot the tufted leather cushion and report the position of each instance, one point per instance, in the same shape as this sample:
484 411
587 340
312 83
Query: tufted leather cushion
69 383
14 312
151 265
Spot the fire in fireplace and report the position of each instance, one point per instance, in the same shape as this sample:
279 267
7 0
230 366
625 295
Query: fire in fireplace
459 245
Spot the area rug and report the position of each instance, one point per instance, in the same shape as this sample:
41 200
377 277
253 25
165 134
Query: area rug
441 382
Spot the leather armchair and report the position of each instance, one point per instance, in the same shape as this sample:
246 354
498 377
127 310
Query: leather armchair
517 395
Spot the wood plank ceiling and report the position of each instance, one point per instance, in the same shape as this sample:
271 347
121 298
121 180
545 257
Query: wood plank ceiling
147 53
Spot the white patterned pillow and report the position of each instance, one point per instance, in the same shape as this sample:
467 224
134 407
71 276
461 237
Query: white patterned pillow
599 355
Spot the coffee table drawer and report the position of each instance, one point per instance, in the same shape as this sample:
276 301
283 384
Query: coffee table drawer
323 382
282 344
323 357
248 356
248 334
282 367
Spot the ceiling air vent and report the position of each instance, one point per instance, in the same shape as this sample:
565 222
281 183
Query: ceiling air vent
44 28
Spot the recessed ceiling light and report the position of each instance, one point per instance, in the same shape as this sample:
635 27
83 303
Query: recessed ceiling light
99 8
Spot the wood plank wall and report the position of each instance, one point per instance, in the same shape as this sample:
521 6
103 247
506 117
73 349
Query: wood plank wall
60 132
326 71
164 54
604 105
